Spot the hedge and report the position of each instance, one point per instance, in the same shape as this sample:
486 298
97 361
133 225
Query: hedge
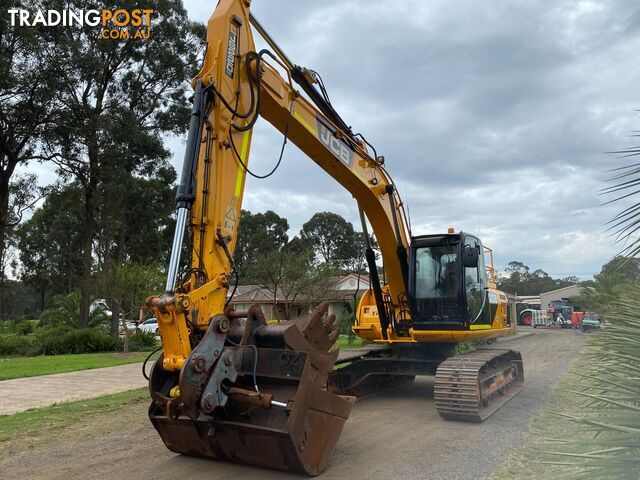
63 340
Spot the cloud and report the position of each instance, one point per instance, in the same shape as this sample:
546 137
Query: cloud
492 120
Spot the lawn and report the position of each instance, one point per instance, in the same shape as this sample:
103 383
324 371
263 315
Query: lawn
19 367
343 342
46 423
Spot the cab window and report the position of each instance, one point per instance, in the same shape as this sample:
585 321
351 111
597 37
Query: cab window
436 275
475 280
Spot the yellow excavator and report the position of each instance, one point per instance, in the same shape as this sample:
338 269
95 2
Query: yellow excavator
228 385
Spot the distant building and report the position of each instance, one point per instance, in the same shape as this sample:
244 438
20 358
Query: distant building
532 300
559 294
342 289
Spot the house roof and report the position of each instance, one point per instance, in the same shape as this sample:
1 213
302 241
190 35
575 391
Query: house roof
350 282
570 287
345 287
254 294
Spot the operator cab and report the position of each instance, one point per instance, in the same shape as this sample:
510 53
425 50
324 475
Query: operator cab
448 282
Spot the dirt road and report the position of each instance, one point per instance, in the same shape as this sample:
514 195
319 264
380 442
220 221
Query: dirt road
396 435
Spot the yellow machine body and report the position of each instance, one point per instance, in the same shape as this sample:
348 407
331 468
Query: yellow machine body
367 325
229 385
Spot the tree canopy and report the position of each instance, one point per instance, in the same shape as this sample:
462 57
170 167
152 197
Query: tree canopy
518 279
334 240
97 110
118 98
50 243
299 269
28 83
259 234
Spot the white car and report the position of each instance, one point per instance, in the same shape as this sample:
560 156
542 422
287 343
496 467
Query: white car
131 326
149 326
101 305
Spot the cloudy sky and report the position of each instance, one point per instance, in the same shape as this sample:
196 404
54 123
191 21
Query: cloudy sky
493 116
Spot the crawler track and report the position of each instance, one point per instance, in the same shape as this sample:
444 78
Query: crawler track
472 386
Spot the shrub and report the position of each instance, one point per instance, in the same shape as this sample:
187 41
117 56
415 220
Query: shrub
65 311
142 341
52 345
79 341
44 334
22 327
17 327
344 322
18 345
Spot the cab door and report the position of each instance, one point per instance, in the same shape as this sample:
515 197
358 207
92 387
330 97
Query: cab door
474 278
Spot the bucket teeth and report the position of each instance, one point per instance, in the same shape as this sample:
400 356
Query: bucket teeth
328 323
333 336
315 317
317 332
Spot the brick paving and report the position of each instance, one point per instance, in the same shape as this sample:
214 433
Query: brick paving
23 394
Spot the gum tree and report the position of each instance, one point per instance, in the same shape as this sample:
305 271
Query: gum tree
119 97
27 83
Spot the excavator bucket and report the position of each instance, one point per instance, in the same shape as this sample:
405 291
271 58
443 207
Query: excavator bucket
254 393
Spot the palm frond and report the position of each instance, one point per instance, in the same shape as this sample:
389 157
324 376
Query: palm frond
594 430
626 177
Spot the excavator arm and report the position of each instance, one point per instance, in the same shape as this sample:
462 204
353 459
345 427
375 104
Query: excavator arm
235 86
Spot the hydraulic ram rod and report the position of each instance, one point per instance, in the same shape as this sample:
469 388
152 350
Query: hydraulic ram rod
186 189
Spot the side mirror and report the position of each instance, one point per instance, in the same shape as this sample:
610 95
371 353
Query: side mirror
470 256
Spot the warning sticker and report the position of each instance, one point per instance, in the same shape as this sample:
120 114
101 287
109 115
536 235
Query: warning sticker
230 219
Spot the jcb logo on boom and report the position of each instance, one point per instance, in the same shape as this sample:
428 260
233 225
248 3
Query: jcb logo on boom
337 146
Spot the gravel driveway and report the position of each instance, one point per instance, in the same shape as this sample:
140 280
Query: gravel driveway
396 435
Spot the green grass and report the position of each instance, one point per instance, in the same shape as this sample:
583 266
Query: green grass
33 423
20 367
343 342
464 347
